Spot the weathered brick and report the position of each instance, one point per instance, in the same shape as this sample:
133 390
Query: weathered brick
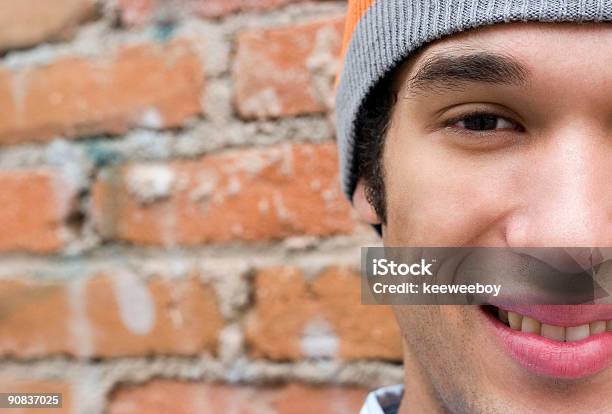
220 8
24 23
253 195
140 12
34 207
276 70
137 12
35 386
174 397
295 317
147 85
107 317
34 319
162 317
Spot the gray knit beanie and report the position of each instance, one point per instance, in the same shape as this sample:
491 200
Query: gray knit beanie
380 34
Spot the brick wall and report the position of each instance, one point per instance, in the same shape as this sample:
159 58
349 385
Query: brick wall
173 235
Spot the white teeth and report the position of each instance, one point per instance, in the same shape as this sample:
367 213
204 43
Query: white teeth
556 333
503 316
530 325
597 327
515 320
526 324
577 333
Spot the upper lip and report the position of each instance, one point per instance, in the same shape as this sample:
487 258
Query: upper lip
563 315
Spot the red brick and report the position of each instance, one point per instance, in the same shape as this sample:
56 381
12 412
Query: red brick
185 319
251 195
296 317
147 85
34 207
108 318
24 23
21 385
174 397
35 319
272 73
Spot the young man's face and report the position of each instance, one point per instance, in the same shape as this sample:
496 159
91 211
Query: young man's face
503 137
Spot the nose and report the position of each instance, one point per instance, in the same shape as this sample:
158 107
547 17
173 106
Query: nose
566 194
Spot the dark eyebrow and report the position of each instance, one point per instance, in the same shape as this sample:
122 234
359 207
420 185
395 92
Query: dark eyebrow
451 71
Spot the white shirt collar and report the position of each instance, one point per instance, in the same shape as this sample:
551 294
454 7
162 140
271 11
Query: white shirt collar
382 398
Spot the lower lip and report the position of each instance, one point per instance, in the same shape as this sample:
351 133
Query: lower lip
543 356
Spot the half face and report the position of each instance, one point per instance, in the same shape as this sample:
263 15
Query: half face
503 137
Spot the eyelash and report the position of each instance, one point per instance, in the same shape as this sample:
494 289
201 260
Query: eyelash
451 123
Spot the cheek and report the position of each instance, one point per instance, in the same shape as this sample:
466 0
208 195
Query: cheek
440 197
434 352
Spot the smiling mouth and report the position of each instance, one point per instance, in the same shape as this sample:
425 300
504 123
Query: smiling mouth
558 333
566 342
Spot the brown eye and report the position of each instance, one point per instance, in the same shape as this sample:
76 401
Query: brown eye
484 122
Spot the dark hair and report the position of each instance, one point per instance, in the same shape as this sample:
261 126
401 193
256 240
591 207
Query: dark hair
371 128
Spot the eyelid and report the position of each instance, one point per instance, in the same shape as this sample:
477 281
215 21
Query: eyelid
450 123
464 109
453 121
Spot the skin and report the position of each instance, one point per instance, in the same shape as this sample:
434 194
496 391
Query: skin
540 177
